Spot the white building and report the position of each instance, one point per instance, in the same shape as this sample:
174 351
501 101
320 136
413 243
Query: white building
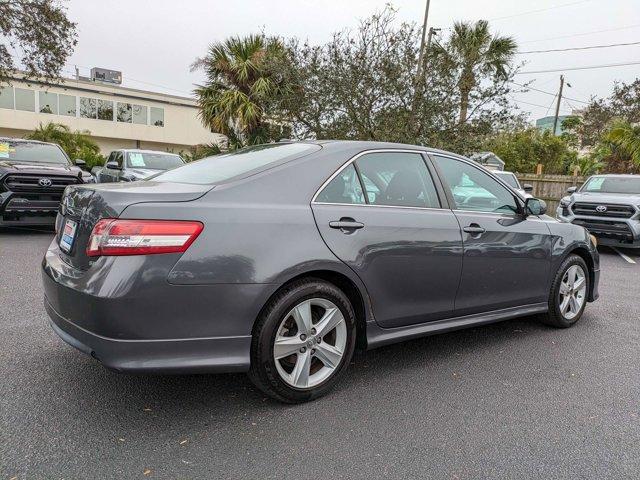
115 116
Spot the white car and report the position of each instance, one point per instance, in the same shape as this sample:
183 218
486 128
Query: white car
511 180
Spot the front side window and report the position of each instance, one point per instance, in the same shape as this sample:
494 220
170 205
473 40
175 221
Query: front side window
397 179
509 178
472 189
48 102
25 100
344 188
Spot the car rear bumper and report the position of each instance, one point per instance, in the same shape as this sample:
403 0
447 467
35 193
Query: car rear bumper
192 355
123 312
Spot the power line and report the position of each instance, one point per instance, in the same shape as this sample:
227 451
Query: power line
540 10
590 67
591 47
582 34
548 93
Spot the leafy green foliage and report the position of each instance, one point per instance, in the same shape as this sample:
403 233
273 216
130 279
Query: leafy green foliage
41 34
77 145
240 90
522 150
200 151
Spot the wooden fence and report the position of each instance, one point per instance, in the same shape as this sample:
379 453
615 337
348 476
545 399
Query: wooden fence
550 188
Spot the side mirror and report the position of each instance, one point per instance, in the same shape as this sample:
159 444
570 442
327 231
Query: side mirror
527 188
571 190
535 206
113 165
80 163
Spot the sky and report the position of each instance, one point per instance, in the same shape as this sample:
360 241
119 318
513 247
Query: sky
154 42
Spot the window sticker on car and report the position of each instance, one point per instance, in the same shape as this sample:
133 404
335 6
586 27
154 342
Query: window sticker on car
4 150
136 160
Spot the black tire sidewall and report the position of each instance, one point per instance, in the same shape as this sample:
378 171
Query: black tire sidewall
263 367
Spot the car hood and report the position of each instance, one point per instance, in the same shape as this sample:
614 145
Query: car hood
38 168
595 197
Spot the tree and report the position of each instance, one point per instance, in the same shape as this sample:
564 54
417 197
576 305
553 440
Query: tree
361 85
41 35
76 144
474 54
523 149
241 88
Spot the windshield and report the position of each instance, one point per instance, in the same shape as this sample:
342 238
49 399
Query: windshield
629 185
218 168
32 152
509 178
153 161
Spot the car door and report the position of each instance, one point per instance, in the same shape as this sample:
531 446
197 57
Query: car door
103 174
395 235
507 255
117 173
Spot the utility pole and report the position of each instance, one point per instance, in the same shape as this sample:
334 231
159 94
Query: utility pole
422 42
555 120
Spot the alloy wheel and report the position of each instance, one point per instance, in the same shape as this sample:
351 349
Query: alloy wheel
310 343
573 290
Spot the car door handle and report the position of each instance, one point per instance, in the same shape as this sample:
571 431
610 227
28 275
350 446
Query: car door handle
346 224
474 229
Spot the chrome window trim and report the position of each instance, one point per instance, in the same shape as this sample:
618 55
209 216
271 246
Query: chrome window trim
353 159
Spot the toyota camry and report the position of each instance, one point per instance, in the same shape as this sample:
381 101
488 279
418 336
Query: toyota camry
279 260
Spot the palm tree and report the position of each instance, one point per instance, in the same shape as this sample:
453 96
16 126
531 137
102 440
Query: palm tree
627 138
241 85
473 52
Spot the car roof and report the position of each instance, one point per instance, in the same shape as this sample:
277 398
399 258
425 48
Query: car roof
620 175
141 150
25 140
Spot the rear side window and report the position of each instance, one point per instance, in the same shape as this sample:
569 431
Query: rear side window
219 168
397 179
344 188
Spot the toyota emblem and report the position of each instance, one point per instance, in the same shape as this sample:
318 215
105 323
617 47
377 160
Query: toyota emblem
601 208
45 182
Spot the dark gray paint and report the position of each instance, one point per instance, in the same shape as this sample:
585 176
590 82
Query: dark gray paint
167 312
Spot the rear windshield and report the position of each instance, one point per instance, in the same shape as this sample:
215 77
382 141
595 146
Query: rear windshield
219 168
508 178
31 152
153 161
613 185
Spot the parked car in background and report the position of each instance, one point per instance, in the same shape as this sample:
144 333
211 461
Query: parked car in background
33 176
129 165
608 206
510 179
278 259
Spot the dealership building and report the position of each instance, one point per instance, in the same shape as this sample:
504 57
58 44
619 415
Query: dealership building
115 116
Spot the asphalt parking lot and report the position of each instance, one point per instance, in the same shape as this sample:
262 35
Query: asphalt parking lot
511 400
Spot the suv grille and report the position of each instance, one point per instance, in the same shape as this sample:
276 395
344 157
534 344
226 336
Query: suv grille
612 210
30 183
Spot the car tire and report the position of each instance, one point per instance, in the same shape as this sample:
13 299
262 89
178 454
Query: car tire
284 322
561 315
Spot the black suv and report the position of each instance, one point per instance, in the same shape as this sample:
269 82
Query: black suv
33 176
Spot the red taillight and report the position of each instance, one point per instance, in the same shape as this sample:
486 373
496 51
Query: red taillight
141 237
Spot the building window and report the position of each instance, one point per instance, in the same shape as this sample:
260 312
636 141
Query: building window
139 114
124 112
48 102
157 116
105 110
25 100
67 104
88 107
6 97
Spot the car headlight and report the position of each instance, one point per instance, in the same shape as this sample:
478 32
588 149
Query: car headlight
594 240
88 179
565 202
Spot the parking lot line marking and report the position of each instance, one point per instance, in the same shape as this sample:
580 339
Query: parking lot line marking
627 258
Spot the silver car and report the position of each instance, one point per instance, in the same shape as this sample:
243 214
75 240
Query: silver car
608 206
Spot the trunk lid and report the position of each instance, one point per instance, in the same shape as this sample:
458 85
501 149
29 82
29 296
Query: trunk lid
86 204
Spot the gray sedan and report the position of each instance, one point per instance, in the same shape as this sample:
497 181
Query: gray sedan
280 259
